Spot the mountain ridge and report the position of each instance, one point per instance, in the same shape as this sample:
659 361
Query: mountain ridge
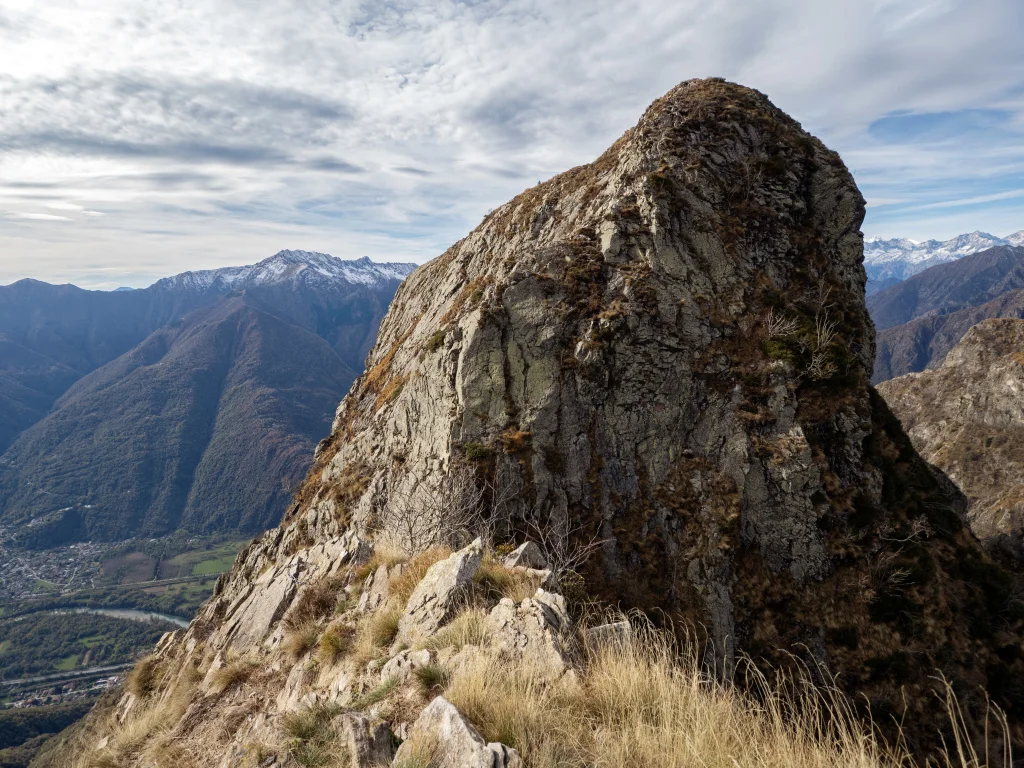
889 261
965 416
89 342
922 318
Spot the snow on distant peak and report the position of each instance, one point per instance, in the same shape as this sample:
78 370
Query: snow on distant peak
289 265
899 258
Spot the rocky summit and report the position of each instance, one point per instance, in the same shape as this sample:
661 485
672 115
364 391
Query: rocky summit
967 418
659 360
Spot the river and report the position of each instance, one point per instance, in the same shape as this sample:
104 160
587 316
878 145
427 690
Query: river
127 613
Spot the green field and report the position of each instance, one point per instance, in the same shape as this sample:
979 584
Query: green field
202 562
43 643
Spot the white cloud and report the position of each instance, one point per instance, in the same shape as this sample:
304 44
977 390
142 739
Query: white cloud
218 132
37 216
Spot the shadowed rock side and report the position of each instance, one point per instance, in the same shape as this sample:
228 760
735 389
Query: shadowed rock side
667 349
967 418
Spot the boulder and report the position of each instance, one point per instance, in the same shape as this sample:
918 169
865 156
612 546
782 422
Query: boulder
436 598
532 632
527 555
452 742
368 742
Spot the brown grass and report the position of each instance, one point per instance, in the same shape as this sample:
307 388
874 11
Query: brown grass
300 641
335 642
145 733
144 677
469 627
382 555
645 703
375 634
402 586
314 603
234 672
496 581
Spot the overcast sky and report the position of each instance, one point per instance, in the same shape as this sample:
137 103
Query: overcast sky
140 138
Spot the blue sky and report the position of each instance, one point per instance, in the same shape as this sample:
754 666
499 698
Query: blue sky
140 138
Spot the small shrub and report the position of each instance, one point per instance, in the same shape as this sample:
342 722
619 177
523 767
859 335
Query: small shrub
477 452
435 340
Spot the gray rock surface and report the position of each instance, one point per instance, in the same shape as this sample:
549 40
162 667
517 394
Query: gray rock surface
527 555
534 632
376 589
437 596
453 742
668 351
368 743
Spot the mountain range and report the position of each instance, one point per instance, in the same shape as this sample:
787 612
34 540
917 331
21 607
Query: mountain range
920 319
191 404
887 262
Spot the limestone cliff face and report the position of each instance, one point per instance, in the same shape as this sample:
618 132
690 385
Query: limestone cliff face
667 350
967 418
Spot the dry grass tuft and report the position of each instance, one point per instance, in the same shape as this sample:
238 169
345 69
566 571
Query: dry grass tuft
313 738
300 641
469 627
144 677
420 752
496 581
645 702
382 555
432 679
144 734
335 643
315 602
375 634
402 586
234 672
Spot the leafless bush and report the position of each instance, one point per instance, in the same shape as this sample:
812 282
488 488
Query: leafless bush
821 365
565 548
441 513
778 326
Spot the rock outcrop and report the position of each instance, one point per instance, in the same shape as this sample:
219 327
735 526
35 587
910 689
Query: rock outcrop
664 357
967 418
669 350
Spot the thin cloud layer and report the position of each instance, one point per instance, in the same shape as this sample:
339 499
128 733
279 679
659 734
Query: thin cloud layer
140 138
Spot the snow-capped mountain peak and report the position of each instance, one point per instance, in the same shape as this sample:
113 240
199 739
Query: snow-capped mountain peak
896 259
288 265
